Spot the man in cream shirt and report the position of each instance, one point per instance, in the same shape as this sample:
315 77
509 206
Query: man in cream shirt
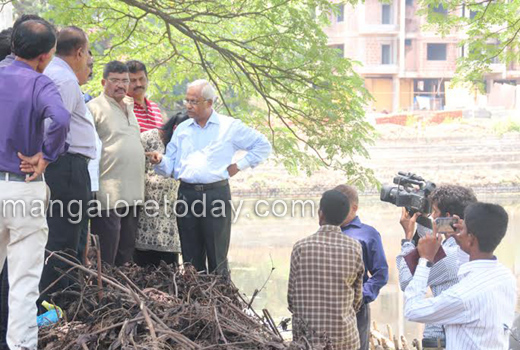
121 167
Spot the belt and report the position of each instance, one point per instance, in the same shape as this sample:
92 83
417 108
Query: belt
204 187
431 343
7 176
77 155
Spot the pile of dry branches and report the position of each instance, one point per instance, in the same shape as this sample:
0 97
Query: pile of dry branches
155 308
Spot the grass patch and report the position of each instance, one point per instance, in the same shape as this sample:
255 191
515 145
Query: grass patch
507 125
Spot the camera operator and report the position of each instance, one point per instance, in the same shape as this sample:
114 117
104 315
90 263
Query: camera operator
446 201
476 311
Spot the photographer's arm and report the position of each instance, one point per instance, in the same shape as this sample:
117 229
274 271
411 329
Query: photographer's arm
447 308
408 223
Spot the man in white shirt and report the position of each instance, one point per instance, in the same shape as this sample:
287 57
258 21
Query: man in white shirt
68 177
200 156
476 311
93 166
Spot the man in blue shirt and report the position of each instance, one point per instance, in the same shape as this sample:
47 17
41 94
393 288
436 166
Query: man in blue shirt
200 155
373 257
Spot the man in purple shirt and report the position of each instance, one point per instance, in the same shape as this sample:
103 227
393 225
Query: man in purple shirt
27 98
373 257
6 58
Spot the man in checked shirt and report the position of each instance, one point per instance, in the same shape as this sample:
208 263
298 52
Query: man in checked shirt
326 280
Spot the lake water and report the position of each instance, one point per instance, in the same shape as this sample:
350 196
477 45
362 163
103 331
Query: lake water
259 244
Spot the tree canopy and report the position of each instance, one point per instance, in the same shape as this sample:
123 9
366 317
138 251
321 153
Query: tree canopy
269 61
491 29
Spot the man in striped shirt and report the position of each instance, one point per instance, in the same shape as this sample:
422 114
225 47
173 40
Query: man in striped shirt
478 310
147 112
446 200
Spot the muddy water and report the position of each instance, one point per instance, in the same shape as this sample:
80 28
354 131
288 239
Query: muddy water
261 247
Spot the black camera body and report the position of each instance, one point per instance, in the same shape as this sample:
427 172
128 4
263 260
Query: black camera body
411 192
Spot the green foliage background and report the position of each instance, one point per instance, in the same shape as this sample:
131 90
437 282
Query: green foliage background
269 60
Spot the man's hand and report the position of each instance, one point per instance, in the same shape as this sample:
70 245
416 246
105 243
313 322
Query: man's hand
34 165
155 157
408 223
458 227
429 245
232 169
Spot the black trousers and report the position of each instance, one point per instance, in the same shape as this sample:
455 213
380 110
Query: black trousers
116 229
205 232
83 236
154 257
363 324
69 182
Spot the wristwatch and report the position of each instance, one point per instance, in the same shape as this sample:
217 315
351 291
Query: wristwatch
425 262
404 240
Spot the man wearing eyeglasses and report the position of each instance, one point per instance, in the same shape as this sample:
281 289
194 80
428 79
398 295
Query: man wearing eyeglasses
200 155
121 167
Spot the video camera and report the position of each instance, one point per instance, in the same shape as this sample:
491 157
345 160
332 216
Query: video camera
411 192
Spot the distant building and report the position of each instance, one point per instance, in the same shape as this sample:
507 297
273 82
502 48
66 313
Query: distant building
6 16
404 66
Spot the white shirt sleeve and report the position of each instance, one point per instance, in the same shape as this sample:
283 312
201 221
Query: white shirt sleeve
447 308
93 166
71 95
405 275
166 166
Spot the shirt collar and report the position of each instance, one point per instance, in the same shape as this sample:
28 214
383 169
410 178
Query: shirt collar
9 58
213 118
113 101
60 62
475 265
329 228
134 102
22 64
356 222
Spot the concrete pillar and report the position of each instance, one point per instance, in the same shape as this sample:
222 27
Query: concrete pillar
396 90
402 37
362 44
